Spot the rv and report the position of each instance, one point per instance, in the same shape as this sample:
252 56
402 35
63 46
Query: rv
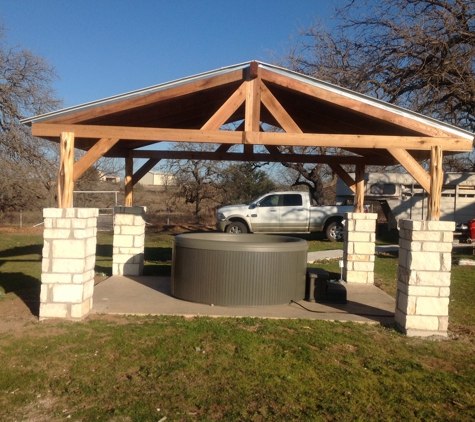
400 196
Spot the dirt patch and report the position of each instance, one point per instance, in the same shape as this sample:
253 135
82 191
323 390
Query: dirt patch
15 315
23 230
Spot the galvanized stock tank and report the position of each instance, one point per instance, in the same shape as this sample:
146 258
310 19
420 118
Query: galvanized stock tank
238 270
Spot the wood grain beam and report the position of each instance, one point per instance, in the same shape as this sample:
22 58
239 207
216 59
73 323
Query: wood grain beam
273 149
223 148
227 109
273 157
128 103
128 186
412 166
139 134
334 97
259 138
364 141
90 157
436 175
359 191
344 176
252 113
142 171
276 109
66 169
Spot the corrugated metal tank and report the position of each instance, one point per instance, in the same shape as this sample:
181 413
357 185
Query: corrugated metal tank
238 270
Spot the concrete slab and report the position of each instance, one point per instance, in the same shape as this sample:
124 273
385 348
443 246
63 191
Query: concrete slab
152 296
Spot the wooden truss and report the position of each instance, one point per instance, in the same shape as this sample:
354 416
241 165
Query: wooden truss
269 108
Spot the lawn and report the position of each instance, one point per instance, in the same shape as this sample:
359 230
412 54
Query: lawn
231 369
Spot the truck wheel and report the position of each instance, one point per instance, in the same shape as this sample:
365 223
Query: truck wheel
334 231
236 228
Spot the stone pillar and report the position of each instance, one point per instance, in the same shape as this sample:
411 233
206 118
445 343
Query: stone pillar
69 256
423 289
359 247
129 240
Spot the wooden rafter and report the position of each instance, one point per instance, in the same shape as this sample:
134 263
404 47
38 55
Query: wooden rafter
143 100
351 104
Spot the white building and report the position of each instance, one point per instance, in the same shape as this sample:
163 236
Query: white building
155 178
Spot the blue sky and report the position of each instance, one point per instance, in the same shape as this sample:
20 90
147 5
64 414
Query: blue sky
102 48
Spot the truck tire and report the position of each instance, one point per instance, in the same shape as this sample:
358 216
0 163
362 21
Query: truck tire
334 231
236 227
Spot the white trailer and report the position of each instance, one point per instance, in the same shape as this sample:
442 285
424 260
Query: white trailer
401 196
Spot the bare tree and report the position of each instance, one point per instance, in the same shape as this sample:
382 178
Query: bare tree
419 54
26 167
196 180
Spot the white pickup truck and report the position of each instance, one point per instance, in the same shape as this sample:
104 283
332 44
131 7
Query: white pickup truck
283 212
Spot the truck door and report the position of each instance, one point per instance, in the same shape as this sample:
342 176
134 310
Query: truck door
266 216
294 217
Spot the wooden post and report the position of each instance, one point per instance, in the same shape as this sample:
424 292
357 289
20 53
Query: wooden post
436 180
252 111
128 186
359 192
66 170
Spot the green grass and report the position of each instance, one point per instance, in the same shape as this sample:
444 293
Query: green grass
20 264
203 369
232 369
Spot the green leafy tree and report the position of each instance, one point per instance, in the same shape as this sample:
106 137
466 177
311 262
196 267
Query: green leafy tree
243 182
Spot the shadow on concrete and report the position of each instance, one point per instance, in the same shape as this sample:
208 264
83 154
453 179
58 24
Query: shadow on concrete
152 296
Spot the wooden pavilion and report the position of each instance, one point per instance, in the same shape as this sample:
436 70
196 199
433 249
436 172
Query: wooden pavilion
253 96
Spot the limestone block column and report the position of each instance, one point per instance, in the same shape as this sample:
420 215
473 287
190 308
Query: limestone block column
69 257
359 247
129 240
423 289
